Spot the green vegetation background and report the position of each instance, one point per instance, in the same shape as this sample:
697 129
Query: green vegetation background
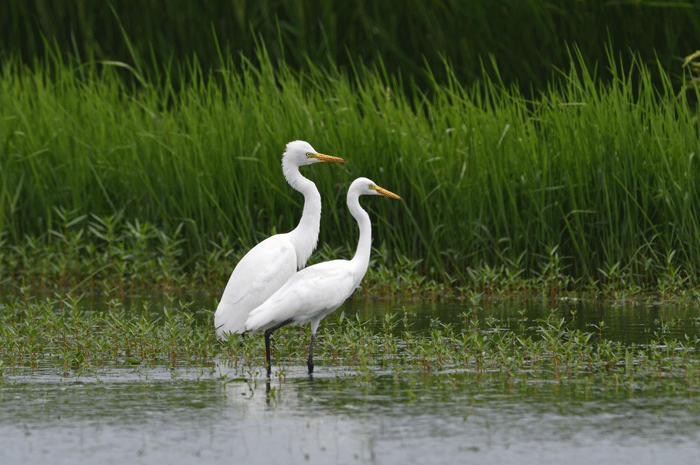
175 115
527 38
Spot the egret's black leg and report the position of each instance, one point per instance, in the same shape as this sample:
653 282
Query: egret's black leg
310 362
268 333
267 352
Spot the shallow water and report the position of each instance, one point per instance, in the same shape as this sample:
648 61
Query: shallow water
144 415
626 322
132 417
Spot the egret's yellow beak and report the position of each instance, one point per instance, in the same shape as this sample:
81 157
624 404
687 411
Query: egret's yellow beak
386 193
326 158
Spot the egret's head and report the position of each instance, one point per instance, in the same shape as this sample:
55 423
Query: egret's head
301 153
364 186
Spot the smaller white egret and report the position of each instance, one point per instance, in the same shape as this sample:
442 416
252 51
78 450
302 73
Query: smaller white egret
268 265
316 291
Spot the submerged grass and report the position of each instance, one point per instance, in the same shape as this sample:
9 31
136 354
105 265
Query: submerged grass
61 334
589 181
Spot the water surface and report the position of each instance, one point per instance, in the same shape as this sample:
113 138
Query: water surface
220 414
336 418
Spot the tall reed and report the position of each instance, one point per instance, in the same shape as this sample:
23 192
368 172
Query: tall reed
526 38
586 176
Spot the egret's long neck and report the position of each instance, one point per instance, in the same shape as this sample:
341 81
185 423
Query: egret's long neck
305 235
364 246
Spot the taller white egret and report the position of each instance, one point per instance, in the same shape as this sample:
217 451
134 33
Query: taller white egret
316 291
268 265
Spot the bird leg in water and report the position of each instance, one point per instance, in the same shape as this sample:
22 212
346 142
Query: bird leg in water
310 362
268 333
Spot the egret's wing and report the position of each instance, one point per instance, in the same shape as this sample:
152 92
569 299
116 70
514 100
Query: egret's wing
261 272
312 292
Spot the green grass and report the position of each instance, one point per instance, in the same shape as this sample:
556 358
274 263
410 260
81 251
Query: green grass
113 255
587 183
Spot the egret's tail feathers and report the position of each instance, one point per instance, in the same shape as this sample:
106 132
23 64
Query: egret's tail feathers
228 323
261 320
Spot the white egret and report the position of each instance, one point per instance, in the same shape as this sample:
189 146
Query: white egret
316 291
268 265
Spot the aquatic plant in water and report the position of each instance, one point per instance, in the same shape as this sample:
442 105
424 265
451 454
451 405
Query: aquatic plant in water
64 334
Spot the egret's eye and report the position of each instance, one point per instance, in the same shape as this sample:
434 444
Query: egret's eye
310 155
373 187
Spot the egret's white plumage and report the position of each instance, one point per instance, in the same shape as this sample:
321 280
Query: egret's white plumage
316 291
268 265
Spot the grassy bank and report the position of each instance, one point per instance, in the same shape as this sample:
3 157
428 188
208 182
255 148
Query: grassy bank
595 183
105 256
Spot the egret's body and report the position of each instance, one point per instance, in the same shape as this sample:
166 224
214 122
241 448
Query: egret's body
268 265
316 291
